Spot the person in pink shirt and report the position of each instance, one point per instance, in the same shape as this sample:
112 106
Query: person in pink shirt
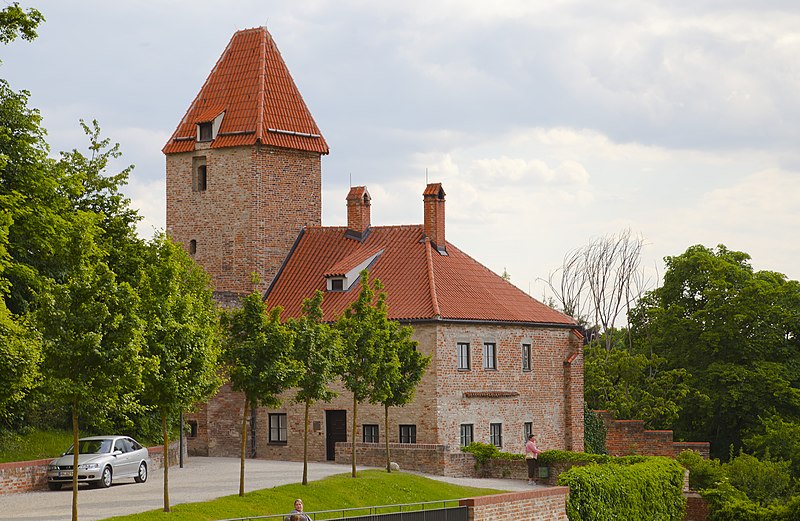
532 459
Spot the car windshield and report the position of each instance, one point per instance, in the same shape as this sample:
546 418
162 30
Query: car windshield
92 447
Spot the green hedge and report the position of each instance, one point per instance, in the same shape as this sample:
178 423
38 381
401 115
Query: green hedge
650 489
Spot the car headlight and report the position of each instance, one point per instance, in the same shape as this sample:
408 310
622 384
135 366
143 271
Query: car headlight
88 466
52 467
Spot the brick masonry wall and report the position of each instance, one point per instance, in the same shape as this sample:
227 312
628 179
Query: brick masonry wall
26 476
537 396
440 405
536 505
625 437
257 200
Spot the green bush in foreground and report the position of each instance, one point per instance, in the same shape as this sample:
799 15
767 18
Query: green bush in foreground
650 489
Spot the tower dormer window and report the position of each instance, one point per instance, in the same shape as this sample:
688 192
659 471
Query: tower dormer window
205 131
337 284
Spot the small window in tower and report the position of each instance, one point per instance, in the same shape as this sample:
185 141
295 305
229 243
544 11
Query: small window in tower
199 174
192 247
205 131
337 284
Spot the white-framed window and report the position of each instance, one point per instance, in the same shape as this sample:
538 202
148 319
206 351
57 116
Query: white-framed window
408 434
526 357
370 433
467 434
462 350
489 355
496 434
277 428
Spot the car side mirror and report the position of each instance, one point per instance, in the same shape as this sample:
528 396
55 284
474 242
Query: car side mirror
116 452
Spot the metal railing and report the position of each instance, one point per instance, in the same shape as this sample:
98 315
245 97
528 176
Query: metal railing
448 510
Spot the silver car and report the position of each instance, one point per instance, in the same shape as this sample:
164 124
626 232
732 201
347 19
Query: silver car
101 459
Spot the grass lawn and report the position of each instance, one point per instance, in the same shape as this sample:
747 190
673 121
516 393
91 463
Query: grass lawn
372 487
35 445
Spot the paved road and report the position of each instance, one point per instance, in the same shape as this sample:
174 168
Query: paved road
201 479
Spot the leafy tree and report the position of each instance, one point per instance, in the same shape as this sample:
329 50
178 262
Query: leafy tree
257 354
88 188
777 438
181 339
736 332
400 372
18 23
633 385
363 334
317 347
92 335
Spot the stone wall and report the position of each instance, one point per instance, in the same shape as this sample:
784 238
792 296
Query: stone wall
25 476
536 505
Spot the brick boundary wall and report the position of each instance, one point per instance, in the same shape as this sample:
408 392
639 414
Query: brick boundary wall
626 437
537 505
27 476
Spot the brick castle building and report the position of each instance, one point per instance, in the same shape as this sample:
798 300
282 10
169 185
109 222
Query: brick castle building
244 195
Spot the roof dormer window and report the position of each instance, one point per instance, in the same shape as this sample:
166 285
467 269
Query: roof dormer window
336 284
344 273
205 131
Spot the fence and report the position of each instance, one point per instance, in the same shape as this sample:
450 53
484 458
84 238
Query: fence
428 511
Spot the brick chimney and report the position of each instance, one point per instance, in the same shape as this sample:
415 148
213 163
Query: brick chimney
433 201
358 220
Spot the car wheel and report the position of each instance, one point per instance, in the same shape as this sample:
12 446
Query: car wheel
141 477
105 478
54 486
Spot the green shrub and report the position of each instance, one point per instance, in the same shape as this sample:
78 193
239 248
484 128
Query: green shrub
483 452
703 473
651 489
764 482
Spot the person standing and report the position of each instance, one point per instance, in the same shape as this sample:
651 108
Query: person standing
297 513
532 459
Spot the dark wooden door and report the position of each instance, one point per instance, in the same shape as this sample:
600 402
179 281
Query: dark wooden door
335 430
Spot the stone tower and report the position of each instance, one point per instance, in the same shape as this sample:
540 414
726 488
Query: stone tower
244 168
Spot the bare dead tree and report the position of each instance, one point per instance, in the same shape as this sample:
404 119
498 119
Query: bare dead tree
604 277
568 284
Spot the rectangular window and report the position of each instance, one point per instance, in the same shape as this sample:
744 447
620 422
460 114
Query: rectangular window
489 355
526 357
370 433
527 430
463 355
205 131
277 428
496 434
467 436
408 434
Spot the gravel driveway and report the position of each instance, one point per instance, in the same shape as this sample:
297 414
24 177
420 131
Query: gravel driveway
201 479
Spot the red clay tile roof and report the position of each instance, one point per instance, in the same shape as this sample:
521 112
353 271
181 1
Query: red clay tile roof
252 84
420 283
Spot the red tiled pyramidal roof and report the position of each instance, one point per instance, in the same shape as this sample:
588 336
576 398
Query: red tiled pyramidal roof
421 284
261 103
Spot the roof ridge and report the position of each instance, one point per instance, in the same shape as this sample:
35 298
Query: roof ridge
262 79
431 277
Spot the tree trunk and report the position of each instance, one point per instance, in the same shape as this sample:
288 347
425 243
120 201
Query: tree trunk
243 447
305 447
165 455
355 424
386 436
75 450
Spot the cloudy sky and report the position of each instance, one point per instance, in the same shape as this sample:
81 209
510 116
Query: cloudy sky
549 123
